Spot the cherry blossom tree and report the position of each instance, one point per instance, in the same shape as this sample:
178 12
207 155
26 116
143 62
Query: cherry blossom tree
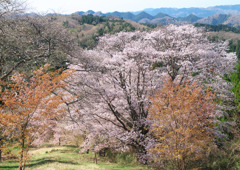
117 78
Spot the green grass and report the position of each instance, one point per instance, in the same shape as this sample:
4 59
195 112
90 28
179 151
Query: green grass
66 158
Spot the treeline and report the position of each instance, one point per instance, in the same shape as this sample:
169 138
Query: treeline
94 20
220 27
235 47
150 25
110 26
90 19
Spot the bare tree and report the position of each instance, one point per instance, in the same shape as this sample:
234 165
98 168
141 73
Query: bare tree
28 42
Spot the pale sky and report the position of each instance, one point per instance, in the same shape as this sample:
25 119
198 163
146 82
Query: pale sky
71 6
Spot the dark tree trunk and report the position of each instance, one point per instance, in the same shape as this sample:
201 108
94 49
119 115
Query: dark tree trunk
59 141
0 155
96 157
21 165
1 143
142 151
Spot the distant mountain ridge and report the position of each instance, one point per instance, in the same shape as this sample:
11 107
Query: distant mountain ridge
141 16
225 14
181 12
224 19
199 12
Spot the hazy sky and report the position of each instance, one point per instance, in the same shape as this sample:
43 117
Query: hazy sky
70 6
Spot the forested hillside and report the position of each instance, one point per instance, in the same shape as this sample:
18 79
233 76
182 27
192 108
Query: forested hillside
87 28
97 92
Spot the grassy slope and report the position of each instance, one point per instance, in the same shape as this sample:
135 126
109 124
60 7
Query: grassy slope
65 158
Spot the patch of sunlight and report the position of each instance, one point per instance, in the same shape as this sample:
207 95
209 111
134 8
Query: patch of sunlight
44 150
60 166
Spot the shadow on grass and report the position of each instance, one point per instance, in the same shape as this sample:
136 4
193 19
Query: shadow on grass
38 162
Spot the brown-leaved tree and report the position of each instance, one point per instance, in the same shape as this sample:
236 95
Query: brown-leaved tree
182 117
30 107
